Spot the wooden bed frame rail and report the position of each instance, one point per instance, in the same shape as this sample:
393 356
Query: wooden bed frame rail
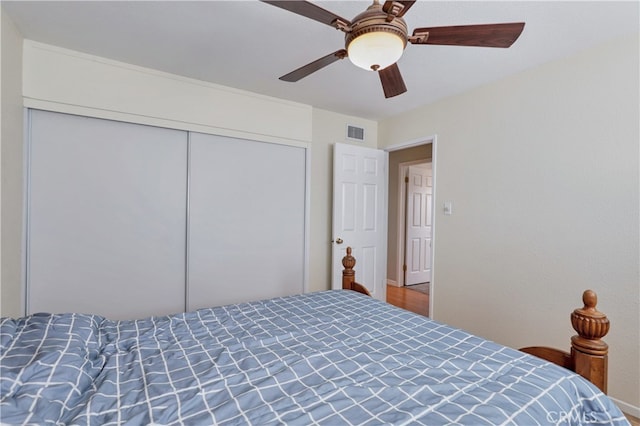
589 354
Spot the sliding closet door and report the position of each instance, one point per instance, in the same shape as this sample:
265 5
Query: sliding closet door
246 220
106 217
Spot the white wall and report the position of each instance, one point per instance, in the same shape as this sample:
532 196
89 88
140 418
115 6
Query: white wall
11 169
543 172
67 81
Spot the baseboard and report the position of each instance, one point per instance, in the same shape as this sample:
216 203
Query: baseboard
393 283
627 408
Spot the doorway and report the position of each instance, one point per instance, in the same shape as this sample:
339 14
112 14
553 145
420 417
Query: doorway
401 156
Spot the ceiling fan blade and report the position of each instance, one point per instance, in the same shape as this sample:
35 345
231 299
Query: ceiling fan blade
487 35
392 82
388 7
309 10
314 66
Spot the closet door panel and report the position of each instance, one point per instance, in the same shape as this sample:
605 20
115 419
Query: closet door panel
107 217
246 220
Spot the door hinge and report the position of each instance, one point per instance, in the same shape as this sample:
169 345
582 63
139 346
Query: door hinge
406 179
404 267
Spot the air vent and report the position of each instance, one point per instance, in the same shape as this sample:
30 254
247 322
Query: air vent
355 133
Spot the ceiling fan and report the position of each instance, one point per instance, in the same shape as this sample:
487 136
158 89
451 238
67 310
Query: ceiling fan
376 38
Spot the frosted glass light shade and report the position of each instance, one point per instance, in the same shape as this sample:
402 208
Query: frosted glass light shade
375 50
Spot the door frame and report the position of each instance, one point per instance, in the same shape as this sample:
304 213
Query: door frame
401 243
433 139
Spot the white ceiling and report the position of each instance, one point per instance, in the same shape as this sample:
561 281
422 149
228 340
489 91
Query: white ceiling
249 44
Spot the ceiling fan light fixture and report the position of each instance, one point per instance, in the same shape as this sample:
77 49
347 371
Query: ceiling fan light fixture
375 50
375 38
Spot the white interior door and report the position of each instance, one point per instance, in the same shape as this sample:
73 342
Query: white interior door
359 215
418 224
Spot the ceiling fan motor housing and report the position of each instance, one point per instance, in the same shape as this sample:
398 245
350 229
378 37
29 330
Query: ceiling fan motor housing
375 20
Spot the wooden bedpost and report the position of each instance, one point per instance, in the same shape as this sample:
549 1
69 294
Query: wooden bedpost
589 353
349 275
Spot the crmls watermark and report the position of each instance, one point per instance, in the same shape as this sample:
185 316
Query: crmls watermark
559 417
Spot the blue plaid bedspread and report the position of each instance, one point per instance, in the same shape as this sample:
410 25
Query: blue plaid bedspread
332 358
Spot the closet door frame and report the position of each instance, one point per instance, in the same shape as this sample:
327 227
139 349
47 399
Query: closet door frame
169 124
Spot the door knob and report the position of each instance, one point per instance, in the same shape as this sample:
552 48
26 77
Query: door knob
339 241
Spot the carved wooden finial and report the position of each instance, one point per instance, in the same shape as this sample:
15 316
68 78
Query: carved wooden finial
591 325
590 299
349 275
348 261
589 353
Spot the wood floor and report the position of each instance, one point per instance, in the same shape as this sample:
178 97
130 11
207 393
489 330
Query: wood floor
408 299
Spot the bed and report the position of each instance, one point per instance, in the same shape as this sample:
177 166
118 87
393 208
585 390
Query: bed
332 357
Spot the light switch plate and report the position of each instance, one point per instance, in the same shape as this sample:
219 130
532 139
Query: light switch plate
448 208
